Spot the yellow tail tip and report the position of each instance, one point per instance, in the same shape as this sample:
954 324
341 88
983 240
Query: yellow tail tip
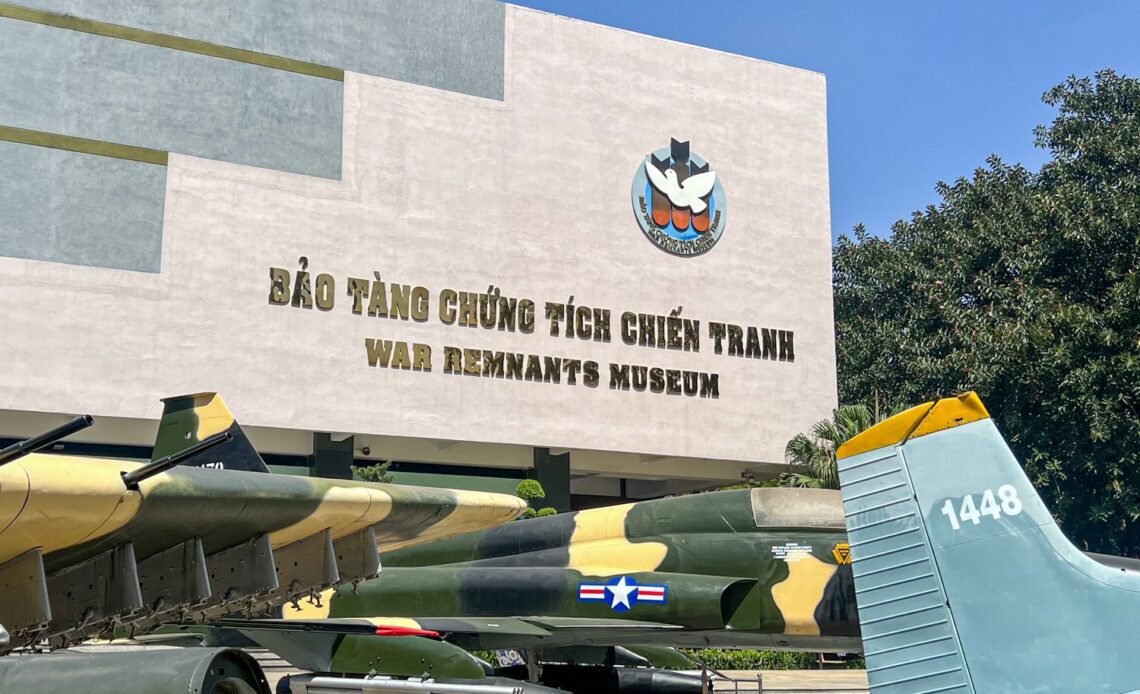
924 419
213 416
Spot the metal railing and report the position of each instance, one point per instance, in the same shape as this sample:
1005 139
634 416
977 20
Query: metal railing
739 684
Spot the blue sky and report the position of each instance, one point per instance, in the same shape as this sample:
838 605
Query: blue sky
918 91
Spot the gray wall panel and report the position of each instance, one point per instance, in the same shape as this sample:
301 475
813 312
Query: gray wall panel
449 44
100 88
80 209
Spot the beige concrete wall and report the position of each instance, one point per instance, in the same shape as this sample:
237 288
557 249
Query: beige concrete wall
444 190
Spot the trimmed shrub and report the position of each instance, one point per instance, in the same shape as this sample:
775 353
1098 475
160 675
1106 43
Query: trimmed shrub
529 490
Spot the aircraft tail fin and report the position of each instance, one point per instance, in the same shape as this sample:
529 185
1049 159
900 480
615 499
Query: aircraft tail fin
964 581
190 419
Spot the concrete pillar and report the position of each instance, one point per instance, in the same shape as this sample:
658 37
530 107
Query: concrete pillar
553 473
332 459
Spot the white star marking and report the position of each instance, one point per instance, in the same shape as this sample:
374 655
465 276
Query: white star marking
621 593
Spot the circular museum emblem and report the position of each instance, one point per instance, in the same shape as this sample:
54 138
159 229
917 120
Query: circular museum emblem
679 201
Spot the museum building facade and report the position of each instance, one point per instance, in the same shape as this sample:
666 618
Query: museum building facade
479 240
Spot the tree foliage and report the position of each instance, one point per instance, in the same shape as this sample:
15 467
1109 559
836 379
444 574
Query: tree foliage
814 453
748 659
374 473
1024 286
530 491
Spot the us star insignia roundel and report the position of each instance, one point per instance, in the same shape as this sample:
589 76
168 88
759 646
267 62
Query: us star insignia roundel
622 593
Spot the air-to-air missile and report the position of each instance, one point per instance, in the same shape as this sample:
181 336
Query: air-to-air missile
582 593
93 547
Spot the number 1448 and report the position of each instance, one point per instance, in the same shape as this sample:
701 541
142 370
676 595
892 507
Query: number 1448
968 510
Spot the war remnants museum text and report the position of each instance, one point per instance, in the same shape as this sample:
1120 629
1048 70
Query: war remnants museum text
492 310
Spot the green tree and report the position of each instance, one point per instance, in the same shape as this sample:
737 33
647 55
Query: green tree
1023 286
374 473
814 452
531 491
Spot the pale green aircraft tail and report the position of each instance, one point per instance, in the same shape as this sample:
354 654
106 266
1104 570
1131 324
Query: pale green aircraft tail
964 581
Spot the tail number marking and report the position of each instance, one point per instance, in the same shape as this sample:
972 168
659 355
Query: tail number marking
968 510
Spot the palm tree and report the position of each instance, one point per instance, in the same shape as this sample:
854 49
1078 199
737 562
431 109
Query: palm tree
815 452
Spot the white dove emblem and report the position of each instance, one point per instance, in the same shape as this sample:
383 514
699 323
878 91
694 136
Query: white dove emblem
682 194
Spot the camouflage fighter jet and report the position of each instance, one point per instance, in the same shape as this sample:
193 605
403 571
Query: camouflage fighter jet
965 582
760 568
90 546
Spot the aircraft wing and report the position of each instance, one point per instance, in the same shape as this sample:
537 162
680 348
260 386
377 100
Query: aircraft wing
350 645
357 646
473 633
508 628
559 632
88 545
514 632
